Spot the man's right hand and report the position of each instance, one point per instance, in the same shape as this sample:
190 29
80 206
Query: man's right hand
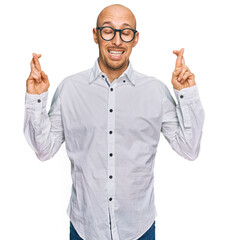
37 81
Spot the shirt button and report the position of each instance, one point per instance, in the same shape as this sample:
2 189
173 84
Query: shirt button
110 110
110 176
103 76
38 100
110 199
124 81
111 89
181 96
110 132
110 154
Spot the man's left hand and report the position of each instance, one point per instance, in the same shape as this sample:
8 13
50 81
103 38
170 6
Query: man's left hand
182 77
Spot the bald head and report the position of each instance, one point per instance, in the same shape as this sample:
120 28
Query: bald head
115 49
116 14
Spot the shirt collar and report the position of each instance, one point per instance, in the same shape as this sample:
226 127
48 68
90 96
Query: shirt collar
96 72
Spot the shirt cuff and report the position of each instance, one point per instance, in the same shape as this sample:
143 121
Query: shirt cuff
36 101
187 95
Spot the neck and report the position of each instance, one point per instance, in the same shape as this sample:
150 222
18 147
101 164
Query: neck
111 73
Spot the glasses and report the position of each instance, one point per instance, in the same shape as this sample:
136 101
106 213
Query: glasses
108 33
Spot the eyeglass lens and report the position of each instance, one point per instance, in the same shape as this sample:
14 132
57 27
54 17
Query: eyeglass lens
127 35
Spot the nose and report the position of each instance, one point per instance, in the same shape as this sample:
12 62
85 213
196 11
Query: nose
117 40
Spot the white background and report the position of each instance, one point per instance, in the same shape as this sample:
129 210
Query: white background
191 197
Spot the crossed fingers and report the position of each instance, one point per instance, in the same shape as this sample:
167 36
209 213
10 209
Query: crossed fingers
36 61
182 72
36 72
35 64
180 59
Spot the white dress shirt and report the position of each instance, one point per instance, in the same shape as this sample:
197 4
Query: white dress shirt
111 132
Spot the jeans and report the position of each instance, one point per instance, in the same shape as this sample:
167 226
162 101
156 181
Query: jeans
149 235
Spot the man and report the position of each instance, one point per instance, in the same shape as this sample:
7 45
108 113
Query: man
110 118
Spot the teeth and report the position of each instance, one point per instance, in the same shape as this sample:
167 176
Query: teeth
116 52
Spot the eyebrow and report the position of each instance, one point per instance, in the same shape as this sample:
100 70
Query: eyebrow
110 23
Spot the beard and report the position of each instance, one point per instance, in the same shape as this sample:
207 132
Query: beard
114 67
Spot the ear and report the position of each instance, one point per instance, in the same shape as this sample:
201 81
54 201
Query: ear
135 41
95 35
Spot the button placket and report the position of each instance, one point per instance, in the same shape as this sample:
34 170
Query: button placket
111 150
106 79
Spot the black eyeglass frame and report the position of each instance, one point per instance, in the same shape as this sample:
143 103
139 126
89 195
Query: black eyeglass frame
117 30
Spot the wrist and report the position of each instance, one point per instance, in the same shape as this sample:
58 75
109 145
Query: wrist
178 87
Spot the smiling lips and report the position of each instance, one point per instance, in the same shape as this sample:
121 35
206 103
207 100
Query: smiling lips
115 54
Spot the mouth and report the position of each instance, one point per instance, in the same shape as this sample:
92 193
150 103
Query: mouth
115 53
